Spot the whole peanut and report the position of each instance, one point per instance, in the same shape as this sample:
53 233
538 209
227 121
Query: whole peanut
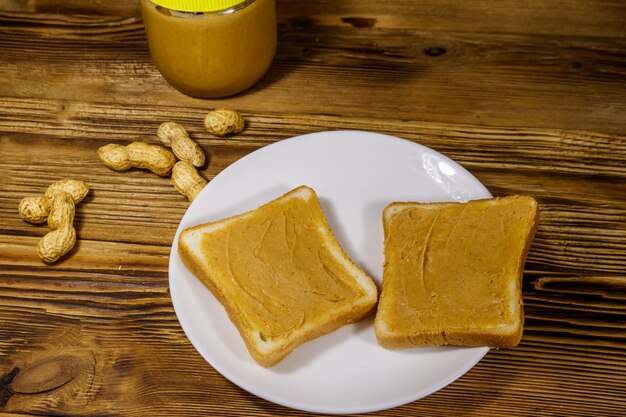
139 155
176 137
222 122
62 238
35 209
186 180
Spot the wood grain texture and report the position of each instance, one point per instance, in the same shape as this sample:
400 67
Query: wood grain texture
510 78
604 18
529 97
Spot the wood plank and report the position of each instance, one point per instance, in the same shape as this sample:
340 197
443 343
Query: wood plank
501 79
528 377
583 220
601 18
563 154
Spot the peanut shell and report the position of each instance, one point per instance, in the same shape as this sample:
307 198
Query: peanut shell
186 180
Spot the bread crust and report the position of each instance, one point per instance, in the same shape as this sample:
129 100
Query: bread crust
508 337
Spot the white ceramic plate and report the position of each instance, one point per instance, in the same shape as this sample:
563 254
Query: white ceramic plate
355 174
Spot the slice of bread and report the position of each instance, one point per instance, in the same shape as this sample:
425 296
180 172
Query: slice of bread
453 272
280 273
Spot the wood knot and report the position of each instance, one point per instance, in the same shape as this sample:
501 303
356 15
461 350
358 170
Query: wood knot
434 51
46 375
360 22
302 22
66 111
5 386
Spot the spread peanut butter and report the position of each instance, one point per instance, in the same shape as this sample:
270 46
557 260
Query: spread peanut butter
279 270
212 54
448 265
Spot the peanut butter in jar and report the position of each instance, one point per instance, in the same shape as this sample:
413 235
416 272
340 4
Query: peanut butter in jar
211 48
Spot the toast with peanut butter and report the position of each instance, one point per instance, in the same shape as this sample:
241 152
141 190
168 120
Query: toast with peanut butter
280 274
453 272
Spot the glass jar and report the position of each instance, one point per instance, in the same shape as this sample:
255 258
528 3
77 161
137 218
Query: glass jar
211 48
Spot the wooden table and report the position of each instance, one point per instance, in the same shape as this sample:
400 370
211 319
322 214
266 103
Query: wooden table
530 96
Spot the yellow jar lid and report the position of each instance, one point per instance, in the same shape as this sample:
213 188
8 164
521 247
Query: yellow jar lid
197 5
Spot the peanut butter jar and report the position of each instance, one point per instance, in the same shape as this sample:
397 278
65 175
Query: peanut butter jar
211 48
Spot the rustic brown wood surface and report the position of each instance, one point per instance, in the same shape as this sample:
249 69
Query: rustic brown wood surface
529 96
